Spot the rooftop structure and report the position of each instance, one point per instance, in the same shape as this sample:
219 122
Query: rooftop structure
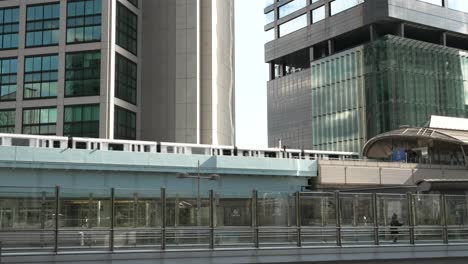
345 71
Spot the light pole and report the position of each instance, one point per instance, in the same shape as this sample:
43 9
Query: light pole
185 175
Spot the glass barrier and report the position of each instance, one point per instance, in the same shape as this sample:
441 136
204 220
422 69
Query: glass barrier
456 211
318 219
233 221
27 219
138 218
276 215
187 220
393 219
357 219
427 218
84 219
34 220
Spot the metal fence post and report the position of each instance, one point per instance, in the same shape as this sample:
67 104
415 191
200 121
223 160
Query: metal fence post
409 198
112 220
255 218
376 221
212 224
57 211
298 219
163 220
443 211
338 218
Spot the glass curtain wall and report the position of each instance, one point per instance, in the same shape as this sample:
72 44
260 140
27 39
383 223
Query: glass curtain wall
9 22
8 79
360 93
40 76
81 121
127 29
338 102
43 23
84 21
7 121
407 81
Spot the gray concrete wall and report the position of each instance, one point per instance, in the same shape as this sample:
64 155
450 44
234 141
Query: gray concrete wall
187 94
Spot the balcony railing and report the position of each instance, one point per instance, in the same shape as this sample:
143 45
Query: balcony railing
53 220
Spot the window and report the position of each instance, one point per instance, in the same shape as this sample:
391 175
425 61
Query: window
40 121
293 25
134 2
338 6
434 2
318 14
9 27
7 121
42 25
84 21
125 79
83 73
127 29
270 17
269 35
81 121
291 7
8 74
460 5
40 76
124 124
269 2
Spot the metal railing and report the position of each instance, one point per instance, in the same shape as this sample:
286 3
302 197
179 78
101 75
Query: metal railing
107 221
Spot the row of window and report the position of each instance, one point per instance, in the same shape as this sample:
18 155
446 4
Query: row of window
460 5
82 76
83 24
297 23
78 121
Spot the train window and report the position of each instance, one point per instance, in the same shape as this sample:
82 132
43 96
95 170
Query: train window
20 142
116 147
80 145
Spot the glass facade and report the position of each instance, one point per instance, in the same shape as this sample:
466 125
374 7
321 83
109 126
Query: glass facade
338 102
7 121
360 93
269 17
84 20
125 79
460 5
81 121
127 29
291 7
338 6
83 73
407 81
8 79
40 76
42 25
9 28
124 124
318 14
40 121
293 25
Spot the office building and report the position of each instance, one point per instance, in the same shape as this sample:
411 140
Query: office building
77 68
344 71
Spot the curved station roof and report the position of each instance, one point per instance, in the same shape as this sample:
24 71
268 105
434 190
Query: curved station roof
452 132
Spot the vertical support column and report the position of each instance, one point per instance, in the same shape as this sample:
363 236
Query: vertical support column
311 54
372 32
401 30
112 220
298 219
443 39
331 47
338 218
57 211
255 219
163 220
212 224
443 214
409 198
376 221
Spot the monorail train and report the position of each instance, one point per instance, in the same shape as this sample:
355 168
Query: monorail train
165 147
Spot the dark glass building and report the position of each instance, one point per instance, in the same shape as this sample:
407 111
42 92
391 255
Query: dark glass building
354 69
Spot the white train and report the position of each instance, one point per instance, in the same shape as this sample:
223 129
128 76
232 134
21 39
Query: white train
166 147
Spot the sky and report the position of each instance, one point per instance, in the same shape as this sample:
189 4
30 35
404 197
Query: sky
251 75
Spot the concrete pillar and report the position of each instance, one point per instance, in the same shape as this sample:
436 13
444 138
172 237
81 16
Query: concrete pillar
373 32
331 46
401 30
443 39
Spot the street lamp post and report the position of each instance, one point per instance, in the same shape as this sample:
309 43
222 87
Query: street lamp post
213 177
